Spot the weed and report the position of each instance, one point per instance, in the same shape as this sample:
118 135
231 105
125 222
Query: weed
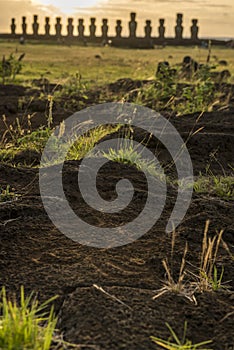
221 186
73 93
7 194
177 344
13 132
157 95
10 67
214 281
17 139
199 97
36 140
167 91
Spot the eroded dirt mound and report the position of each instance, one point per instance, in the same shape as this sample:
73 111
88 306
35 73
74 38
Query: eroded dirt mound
117 313
105 295
209 137
120 314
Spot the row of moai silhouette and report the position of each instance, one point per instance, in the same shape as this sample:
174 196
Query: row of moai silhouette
105 27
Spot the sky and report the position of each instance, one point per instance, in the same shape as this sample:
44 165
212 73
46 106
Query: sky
216 17
69 6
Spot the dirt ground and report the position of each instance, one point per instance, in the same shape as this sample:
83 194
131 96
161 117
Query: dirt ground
121 314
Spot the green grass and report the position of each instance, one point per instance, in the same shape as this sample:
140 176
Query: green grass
85 143
62 66
220 186
129 153
36 140
57 62
177 344
7 193
27 326
17 139
215 281
182 93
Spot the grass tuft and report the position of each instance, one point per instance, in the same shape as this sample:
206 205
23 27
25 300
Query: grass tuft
26 326
177 344
7 194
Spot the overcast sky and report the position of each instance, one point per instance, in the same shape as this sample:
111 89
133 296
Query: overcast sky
216 17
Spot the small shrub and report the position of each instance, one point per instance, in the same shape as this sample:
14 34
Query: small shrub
197 98
169 91
10 67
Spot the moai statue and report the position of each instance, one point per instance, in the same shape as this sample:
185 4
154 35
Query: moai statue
47 26
13 26
118 28
105 29
179 28
194 29
161 28
58 27
70 27
92 27
24 26
35 25
132 25
81 28
148 29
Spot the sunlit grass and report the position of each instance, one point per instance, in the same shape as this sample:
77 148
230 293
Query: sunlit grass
114 63
27 325
179 344
220 186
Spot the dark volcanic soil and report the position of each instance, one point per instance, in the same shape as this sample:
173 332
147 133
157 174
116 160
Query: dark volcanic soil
121 313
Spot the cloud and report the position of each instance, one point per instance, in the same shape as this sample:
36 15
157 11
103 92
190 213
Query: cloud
19 8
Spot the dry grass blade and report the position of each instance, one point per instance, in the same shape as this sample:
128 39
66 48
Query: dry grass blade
225 246
208 279
182 266
204 242
111 296
173 243
179 287
167 269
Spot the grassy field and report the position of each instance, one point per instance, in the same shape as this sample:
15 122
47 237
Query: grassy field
99 65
